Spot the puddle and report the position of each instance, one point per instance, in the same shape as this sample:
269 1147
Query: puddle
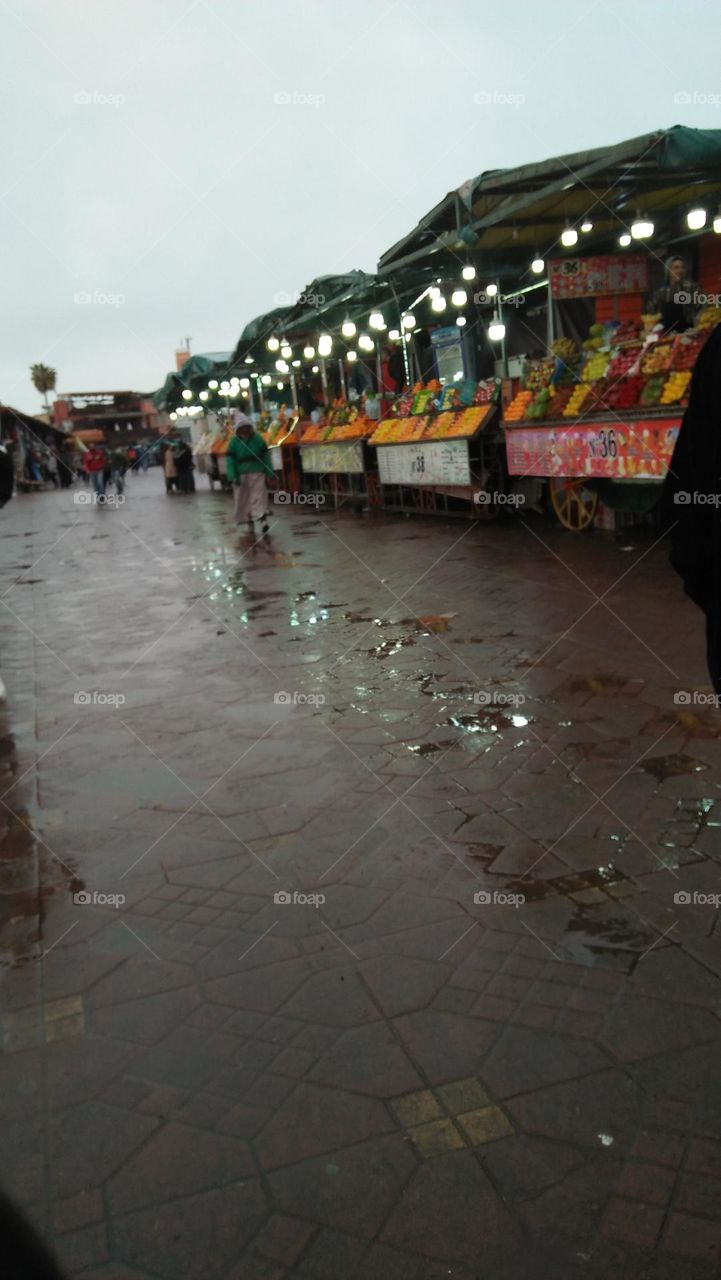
489 720
663 767
389 648
587 938
431 748
597 684
29 876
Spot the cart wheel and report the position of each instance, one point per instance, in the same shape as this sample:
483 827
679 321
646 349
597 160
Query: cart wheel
573 504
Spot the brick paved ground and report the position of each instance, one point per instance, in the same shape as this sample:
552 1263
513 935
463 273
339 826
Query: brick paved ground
402 1082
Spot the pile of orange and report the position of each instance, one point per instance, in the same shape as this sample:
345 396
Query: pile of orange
518 408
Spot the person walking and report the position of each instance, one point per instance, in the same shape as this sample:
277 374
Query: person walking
249 470
51 468
95 463
185 466
118 467
65 469
170 471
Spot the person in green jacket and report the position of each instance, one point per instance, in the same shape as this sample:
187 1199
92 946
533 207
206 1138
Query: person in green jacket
248 466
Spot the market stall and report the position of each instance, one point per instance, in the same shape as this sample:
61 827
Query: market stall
599 423
441 451
336 461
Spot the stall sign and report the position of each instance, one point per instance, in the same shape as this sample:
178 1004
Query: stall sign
345 457
599 276
276 458
614 450
437 462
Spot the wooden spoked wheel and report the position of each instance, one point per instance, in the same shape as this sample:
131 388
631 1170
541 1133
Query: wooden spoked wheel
573 504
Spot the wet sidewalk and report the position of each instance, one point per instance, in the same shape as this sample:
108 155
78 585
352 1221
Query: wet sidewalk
359 898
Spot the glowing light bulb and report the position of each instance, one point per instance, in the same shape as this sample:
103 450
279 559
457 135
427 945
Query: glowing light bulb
538 266
696 219
348 329
273 344
409 320
469 273
459 297
641 229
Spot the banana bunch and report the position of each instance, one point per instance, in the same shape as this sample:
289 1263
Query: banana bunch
564 349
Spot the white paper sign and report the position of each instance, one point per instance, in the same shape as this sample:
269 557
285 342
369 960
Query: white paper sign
436 462
346 456
276 458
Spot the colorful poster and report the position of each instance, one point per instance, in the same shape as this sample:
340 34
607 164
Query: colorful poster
599 276
615 450
439 462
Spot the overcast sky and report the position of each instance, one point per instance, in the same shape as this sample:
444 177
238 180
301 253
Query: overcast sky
174 168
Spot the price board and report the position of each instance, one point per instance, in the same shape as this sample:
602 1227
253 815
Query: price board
599 276
639 450
327 458
438 462
276 458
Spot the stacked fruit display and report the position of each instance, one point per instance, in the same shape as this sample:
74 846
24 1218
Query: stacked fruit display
357 429
686 349
624 394
709 317
676 386
595 366
597 400
651 392
518 406
539 375
596 338
540 404
559 402
578 395
627 331
657 358
623 361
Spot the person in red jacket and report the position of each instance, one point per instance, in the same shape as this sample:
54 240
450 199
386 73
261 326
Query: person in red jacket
95 463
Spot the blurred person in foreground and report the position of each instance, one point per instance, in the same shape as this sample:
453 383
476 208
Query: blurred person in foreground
249 470
691 498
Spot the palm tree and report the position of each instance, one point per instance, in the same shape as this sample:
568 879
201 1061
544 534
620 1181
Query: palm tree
43 379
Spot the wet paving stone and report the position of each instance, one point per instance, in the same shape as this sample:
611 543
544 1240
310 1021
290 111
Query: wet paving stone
348 926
